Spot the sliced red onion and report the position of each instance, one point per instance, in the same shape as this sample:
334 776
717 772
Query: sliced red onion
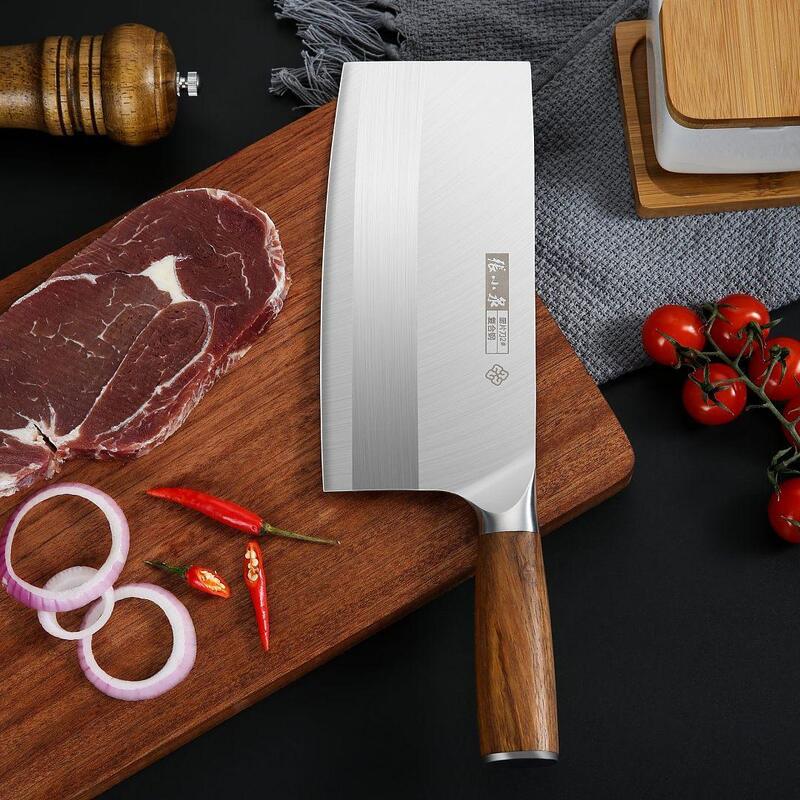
179 663
43 599
71 578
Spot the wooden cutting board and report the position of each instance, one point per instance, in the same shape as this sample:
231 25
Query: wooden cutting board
255 438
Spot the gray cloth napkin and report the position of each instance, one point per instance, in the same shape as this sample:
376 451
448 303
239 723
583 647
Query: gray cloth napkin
600 269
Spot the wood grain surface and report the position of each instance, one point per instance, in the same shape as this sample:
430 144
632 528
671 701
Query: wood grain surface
514 647
658 193
732 62
121 84
255 438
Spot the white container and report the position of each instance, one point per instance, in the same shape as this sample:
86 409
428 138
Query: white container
711 150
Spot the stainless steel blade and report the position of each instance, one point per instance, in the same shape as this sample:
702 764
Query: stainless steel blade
428 311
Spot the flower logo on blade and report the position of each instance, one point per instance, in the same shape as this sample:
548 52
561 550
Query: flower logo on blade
496 375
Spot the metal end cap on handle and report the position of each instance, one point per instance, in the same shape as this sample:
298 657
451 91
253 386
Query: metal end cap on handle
523 757
188 83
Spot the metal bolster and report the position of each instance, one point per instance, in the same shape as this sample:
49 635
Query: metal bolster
520 517
542 756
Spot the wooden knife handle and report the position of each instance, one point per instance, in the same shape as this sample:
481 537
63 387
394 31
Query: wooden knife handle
514 650
121 84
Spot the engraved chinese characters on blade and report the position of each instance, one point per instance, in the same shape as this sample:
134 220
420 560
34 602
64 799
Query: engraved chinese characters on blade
497 303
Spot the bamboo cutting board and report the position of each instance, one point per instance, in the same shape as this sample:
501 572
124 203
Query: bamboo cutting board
254 438
732 63
658 193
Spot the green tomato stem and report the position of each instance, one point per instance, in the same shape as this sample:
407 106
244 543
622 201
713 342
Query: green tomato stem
758 390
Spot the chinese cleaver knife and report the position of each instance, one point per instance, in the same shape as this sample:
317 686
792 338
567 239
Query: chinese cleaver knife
428 343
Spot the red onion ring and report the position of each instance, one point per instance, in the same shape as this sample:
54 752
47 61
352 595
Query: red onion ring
66 599
179 663
69 579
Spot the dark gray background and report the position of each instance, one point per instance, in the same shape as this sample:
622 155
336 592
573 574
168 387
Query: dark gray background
676 613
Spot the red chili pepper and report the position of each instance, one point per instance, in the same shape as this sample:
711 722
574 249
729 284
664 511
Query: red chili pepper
256 582
201 578
228 513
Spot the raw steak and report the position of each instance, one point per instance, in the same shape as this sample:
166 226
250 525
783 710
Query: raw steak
109 355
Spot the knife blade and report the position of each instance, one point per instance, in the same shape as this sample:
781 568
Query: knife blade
427 371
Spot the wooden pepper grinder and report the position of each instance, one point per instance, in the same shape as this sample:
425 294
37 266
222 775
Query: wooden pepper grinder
122 84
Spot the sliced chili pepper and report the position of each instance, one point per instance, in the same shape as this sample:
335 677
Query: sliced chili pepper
256 581
228 513
201 578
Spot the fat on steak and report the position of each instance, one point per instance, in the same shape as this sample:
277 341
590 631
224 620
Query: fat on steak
108 356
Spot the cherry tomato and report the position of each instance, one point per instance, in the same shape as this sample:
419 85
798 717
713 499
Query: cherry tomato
785 507
683 324
777 388
738 310
792 412
702 407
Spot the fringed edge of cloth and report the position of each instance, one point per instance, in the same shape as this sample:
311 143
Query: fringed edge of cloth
333 32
